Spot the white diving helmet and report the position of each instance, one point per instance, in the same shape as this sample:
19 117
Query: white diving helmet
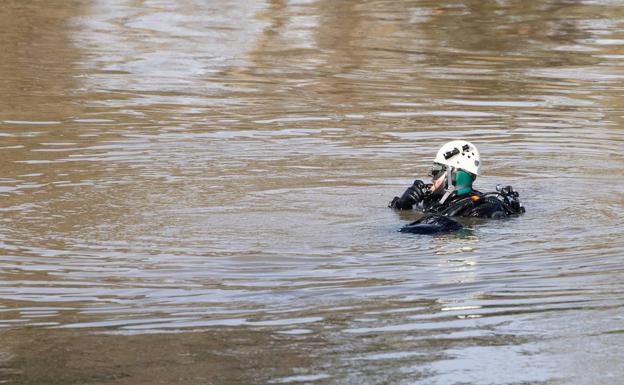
453 156
460 154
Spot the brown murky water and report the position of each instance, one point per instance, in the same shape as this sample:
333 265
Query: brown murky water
194 192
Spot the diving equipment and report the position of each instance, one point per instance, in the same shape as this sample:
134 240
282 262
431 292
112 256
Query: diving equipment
411 197
502 203
432 224
460 154
437 170
458 182
437 219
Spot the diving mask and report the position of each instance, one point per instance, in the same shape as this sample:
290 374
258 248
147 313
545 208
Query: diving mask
437 170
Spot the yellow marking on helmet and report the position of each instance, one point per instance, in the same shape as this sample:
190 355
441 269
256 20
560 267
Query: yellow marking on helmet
475 198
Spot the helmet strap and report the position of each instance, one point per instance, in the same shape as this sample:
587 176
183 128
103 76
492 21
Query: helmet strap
450 188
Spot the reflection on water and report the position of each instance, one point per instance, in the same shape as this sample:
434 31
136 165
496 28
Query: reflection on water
194 192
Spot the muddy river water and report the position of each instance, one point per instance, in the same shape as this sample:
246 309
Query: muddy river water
194 192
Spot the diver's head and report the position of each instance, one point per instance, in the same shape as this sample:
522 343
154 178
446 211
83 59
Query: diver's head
459 155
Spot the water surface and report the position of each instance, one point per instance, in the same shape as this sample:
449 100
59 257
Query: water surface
195 192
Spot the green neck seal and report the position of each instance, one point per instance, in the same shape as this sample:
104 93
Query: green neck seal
463 182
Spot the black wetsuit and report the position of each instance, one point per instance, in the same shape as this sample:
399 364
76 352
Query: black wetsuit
499 204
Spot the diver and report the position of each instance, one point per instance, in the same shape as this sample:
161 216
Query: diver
450 193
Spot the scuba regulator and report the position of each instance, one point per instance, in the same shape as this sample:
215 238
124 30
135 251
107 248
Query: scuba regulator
511 199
